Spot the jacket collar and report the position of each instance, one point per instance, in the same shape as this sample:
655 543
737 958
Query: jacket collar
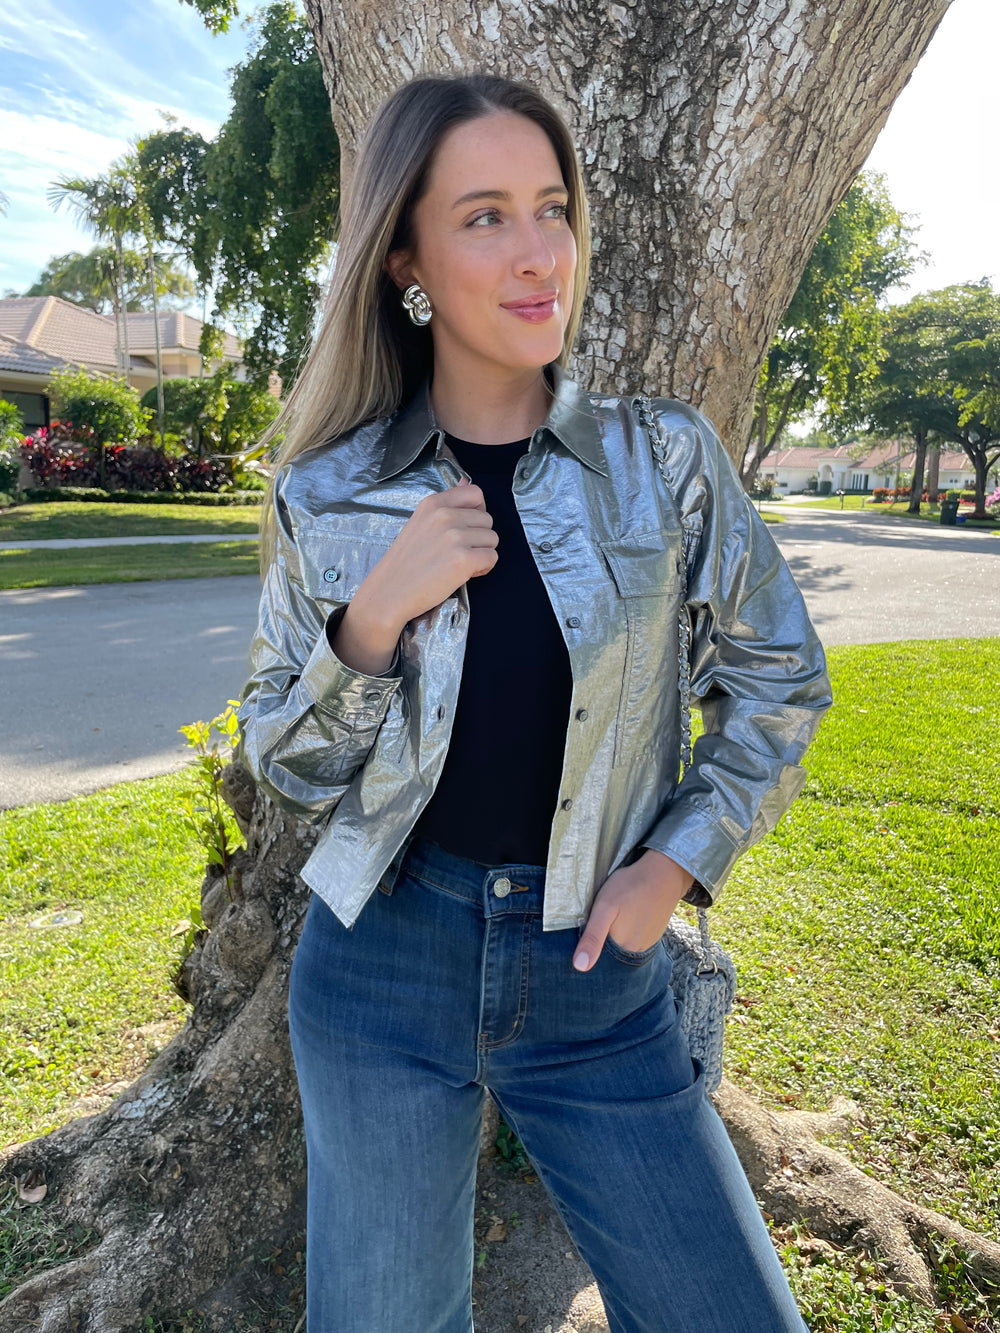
570 419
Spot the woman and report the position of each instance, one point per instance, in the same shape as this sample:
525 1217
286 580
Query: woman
466 668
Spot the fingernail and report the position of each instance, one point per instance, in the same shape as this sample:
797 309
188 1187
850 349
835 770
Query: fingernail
581 962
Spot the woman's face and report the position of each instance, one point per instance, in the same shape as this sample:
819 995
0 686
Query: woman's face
490 230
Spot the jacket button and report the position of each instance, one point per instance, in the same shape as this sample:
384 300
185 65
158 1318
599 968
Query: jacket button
545 546
573 622
523 473
582 715
331 575
501 887
568 803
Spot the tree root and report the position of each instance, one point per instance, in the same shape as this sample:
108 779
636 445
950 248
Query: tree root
800 1179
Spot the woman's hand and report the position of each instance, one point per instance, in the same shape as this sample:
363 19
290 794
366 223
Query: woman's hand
448 539
634 906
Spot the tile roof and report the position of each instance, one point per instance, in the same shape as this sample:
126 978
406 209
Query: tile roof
73 334
880 456
177 331
24 359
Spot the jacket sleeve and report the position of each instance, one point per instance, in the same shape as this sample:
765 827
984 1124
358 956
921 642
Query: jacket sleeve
758 669
307 720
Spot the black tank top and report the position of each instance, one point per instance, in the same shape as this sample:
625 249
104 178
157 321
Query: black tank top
497 793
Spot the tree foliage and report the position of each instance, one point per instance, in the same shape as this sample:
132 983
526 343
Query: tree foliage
941 374
254 210
88 280
828 345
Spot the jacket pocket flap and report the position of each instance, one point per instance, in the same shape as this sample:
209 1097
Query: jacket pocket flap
644 564
335 566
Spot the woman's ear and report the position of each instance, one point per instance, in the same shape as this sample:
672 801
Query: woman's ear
397 265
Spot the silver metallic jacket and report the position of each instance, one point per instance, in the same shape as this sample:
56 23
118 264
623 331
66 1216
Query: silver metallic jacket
609 533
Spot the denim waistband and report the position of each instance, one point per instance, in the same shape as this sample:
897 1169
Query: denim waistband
499 889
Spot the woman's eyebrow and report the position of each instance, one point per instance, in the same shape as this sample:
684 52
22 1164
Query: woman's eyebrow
505 194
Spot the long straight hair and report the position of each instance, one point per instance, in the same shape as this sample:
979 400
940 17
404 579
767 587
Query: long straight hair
368 358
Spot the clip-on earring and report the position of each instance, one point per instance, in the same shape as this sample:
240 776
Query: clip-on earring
417 304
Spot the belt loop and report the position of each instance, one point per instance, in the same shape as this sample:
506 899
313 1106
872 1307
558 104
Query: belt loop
391 873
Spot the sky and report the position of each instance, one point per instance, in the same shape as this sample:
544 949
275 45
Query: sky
80 78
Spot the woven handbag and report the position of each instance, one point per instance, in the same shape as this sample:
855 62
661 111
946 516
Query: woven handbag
704 975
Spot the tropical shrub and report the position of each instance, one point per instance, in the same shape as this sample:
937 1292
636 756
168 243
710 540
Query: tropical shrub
215 414
109 408
11 432
55 461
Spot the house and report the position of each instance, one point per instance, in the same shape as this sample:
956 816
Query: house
792 468
40 334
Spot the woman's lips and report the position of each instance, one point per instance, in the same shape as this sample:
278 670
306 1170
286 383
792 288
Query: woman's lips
534 314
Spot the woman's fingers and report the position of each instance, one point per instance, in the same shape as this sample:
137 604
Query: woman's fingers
591 942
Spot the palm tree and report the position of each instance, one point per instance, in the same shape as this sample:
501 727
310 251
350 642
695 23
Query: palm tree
113 206
106 206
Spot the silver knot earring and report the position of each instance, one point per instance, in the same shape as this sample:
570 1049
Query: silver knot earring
417 304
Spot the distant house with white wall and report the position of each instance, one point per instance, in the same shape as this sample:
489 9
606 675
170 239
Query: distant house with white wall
792 468
41 334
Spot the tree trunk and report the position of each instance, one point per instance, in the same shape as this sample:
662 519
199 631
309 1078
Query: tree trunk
156 336
917 484
716 142
717 139
933 473
123 306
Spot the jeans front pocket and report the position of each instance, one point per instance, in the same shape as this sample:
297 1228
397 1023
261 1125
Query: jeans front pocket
632 957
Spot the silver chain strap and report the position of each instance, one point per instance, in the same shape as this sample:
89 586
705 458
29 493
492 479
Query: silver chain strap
659 445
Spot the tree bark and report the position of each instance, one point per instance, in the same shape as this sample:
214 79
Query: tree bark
717 137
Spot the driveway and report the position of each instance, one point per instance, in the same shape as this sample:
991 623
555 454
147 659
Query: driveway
103 676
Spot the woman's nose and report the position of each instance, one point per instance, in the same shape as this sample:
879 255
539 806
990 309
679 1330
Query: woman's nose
534 253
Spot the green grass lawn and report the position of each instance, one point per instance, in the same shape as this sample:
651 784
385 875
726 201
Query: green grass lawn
20 568
77 1002
75 518
866 931
930 513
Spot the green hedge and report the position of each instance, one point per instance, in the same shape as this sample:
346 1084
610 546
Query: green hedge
37 493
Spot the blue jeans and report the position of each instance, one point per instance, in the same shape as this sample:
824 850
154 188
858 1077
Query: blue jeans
446 988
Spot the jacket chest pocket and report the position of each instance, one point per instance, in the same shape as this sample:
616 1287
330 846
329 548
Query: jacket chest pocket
336 560
646 569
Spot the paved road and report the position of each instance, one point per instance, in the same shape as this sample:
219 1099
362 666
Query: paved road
103 676
97 680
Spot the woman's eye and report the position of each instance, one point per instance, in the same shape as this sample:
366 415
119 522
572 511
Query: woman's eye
561 211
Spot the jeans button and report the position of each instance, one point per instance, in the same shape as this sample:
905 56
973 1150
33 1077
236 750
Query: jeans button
501 887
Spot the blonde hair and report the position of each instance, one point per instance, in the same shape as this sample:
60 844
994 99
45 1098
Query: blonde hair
368 357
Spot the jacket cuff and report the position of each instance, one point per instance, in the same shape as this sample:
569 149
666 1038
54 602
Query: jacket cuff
340 690
697 843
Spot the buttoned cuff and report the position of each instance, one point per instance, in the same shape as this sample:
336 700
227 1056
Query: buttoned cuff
340 690
697 843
